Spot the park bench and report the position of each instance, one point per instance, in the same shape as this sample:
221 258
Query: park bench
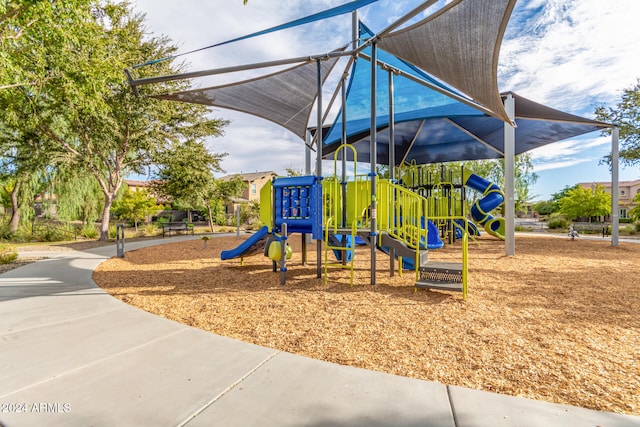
177 228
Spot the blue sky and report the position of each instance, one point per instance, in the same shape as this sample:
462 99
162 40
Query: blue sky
572 55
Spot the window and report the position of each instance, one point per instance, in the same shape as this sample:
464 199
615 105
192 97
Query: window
623 214
622 192
253 189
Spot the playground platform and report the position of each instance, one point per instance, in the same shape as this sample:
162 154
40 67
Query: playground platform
72 355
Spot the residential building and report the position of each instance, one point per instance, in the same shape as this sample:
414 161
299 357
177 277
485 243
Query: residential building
253 184
627 190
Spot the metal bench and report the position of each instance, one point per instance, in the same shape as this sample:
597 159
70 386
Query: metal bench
177 228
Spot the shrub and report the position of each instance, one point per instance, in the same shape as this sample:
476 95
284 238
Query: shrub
557 221
7 254
89 231
112 231
149 230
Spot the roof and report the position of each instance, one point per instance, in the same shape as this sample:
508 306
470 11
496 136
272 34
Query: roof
608 183
249 177
137 183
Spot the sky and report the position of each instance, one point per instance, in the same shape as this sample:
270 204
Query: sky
571 55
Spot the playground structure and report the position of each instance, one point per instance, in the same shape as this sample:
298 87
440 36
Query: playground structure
443 105
445 191
413 216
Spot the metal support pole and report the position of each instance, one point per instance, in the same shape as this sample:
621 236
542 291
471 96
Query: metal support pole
615 190
283 255
392 131
238 222
120 240
343 182
354 30
307 154
319 160
509 181
373 159
343 178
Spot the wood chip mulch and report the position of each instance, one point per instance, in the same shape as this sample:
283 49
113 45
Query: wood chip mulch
559 322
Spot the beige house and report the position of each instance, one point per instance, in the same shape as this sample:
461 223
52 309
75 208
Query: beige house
253 184
627 191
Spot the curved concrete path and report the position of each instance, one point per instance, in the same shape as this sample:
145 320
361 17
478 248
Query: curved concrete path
72 355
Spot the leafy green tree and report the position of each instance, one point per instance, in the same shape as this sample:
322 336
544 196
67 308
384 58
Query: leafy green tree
22 21
584 202
82 103
185 175
185 172
23 172
545 207
78 196
225 191
552 206
135 206
635 212
626 115
293 171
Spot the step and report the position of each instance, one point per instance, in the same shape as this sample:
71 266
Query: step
443 286
440 275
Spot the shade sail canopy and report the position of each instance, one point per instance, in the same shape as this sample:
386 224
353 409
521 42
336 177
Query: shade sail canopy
473 137
460 45
416 96
285 97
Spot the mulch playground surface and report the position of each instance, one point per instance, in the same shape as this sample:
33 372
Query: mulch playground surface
559 321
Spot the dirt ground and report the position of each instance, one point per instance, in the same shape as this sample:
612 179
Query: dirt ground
559 322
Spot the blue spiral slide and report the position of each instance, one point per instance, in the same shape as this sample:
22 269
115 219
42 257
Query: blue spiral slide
492 199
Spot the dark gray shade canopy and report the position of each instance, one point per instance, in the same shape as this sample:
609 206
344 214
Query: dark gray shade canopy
285 97
459 45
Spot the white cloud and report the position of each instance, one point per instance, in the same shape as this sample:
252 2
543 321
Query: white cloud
568 54
570 147
572 55
569 153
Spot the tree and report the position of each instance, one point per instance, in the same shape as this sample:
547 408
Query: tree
86 109
635 212
582 202
293 171
22 171
225 191
545 207
626 115
135 206
78 196
185 175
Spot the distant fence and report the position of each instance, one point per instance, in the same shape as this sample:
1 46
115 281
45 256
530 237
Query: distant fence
592 227
52 230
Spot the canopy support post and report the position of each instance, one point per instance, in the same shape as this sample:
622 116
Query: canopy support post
509 182
392 133
355 36
307 153
615 184
319 161
373 159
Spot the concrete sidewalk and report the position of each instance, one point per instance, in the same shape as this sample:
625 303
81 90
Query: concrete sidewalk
71 355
